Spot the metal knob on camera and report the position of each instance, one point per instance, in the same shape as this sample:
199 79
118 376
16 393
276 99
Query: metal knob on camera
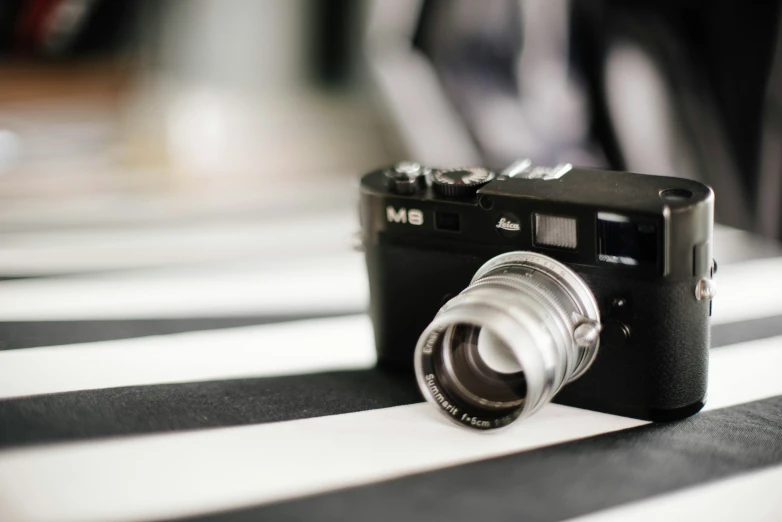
406 177
503 348
587 333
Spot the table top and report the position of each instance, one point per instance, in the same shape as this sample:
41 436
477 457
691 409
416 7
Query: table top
240 385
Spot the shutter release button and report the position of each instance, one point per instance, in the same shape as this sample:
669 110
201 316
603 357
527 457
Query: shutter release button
406 177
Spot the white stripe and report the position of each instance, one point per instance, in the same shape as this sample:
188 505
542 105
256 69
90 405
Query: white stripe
309 284
256 351
149 477
738 373
82 250
323 283
66 251
748 290
752 496
315 345
732 245
177 475
320 195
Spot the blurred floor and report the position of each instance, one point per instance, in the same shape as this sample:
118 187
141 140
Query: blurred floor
99 146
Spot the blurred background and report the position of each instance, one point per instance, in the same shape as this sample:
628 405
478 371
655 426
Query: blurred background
179 132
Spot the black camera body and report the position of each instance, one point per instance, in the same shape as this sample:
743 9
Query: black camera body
642 243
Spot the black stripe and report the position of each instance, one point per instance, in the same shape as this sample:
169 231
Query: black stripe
30 334
562 481
750 330
135 410
174 407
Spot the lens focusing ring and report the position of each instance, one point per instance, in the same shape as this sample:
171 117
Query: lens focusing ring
532 304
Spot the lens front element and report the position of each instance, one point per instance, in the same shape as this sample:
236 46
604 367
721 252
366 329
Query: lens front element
473 360
506 345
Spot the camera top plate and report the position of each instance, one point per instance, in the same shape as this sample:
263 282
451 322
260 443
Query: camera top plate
642 225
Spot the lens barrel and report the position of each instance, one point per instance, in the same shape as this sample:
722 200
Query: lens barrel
501 349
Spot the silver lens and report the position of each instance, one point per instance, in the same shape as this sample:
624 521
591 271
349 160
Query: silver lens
500 350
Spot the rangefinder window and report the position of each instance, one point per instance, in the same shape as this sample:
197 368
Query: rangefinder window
626 241
555 231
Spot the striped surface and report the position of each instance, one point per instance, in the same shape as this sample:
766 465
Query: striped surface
242 387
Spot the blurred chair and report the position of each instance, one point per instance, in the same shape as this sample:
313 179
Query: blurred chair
672 88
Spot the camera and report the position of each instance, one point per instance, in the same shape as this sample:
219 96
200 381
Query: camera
504 291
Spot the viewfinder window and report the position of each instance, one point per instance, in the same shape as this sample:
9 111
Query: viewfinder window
626 241
446 221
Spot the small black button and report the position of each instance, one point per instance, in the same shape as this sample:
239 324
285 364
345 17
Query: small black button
621 309
615 334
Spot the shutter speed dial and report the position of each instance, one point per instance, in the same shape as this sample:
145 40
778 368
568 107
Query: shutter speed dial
460 183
